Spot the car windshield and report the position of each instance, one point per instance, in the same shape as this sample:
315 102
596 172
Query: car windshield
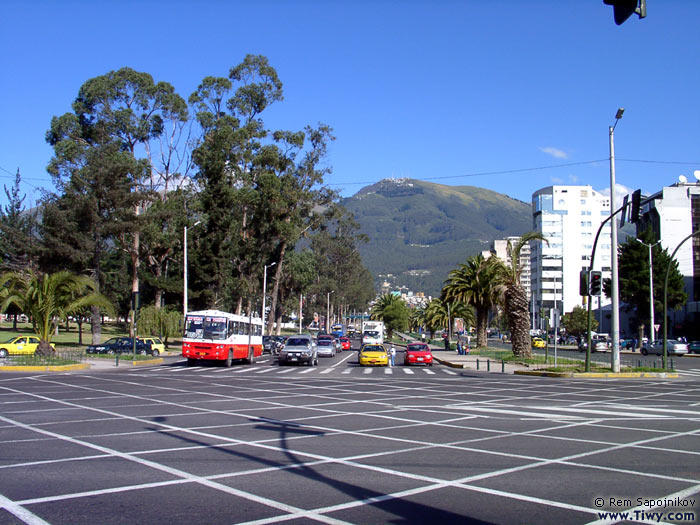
10 340
297 341
112 341
373 349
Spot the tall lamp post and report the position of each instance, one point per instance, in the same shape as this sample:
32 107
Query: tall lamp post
651 290
184 271
615 354
328 312
265 293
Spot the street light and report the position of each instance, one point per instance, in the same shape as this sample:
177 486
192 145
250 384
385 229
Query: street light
651 290
265 292
328 312
184 272
615 354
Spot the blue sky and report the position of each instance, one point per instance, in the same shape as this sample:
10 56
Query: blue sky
457 92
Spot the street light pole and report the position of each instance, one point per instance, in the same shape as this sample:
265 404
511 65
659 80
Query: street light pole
615 354
184 271
651 290
265 293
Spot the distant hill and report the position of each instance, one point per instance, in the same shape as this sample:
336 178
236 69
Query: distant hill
419 231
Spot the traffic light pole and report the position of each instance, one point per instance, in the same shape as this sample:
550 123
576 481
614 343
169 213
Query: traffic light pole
590 268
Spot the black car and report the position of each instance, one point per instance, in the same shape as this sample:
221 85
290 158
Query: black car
120 345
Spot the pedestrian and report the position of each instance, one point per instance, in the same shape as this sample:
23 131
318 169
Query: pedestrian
460 349
447 342
392 354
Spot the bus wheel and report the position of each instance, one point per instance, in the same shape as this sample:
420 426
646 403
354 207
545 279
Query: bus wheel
229 359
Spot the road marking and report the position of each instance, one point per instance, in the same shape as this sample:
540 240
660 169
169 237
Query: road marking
408 371
388 371
264 370
327 370
346 371
430 372
450 372
285 371
367 371
311 369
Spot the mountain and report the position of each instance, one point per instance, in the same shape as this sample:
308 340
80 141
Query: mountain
419 231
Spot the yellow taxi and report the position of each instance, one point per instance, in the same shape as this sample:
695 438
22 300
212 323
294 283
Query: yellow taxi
156 344
19 345
538 343
372 354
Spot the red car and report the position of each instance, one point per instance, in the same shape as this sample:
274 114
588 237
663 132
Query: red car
345 342
418 354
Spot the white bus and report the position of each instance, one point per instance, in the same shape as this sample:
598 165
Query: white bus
221 336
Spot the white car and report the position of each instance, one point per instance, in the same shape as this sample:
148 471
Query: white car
673 347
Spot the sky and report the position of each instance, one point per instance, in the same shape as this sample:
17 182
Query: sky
508 95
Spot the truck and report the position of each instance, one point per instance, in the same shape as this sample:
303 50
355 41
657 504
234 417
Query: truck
373 332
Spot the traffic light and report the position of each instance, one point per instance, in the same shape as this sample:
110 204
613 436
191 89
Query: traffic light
635 211
623 9
596 283
583 283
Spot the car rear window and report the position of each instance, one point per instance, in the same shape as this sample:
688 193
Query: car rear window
297 342
418 348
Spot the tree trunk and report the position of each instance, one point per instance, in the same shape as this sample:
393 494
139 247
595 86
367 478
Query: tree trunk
95 325
44 349
518 314
276 286
482 318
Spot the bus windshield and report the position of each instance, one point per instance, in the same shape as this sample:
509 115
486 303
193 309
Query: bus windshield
199 327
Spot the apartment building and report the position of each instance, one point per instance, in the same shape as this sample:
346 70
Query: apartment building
569 218
500 250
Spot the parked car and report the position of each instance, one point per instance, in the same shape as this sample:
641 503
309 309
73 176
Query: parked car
299 349
418 354
372 354
20 345
156 343
120 345
694 347
325 348
673 347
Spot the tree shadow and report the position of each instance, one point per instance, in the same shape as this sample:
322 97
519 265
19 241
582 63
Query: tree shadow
403 510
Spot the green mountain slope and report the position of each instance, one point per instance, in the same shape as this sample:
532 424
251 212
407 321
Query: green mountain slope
419 231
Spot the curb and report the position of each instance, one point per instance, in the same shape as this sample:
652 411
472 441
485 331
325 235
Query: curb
599 375
448 363
51 368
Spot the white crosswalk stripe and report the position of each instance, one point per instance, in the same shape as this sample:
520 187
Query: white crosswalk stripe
408 371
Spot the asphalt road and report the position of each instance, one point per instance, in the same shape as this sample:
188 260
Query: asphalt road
343 444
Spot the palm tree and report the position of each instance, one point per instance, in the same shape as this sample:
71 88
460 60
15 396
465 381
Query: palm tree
440 313
393 311
515 299
416 319
382 303
478 282
50 298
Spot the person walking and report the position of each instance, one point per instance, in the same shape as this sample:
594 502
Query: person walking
392 354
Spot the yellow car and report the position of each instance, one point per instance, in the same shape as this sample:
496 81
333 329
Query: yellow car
19 345
373 355
538 343
156 344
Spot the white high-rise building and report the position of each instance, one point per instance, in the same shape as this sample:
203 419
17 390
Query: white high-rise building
569 218
500 250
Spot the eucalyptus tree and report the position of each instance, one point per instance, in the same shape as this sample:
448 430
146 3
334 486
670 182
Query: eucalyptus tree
478 282
47 299
114 117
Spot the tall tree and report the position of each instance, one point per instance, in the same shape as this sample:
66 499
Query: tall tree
634 279
479 283
113 117
516 305
17 231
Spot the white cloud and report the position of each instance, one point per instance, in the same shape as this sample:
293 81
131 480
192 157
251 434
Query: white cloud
554 152
620 192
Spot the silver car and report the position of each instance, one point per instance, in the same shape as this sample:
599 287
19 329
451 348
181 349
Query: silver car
326 347
299 349
673 347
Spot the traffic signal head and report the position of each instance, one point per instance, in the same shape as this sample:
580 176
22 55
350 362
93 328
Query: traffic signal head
636 209
583 283
596 283
623 9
